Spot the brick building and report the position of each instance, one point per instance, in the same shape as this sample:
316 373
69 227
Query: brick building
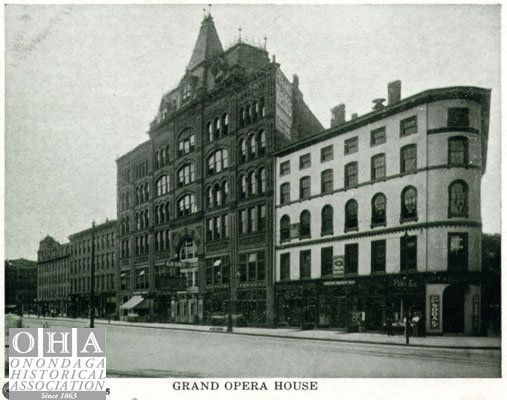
20 285
195 201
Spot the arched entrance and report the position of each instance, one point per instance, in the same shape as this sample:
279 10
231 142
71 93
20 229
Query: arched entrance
454 309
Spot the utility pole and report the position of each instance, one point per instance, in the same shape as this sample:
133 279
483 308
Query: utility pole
405 259
92 278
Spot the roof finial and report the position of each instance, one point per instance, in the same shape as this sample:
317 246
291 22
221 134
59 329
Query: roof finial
209 10
239 29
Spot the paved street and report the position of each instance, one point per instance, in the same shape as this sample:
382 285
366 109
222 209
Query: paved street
139 351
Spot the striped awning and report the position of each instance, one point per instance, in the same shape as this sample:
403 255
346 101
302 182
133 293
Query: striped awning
132 302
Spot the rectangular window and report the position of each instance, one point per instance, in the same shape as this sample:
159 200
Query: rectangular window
378 167
458 117
378 256
305 264
326 261
284 266
378 136
243 221
305 161
350 146
408 126
285 193
408 158
457 249
408 253
262 218
285 168
252 219
351 174
304 187
351 258
326 153
458 151
242 267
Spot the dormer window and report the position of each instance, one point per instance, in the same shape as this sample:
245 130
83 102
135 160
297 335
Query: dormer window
187 91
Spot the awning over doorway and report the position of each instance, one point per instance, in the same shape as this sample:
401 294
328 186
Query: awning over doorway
132 302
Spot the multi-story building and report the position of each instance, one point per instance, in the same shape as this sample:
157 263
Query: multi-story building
380 215
105 279
196 199
20 285
53 266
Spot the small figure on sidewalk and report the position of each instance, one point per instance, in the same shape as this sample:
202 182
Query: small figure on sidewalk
389 324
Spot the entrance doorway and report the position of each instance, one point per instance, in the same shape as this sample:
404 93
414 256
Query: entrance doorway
454 309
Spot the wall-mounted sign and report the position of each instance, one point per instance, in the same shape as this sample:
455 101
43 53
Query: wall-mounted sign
338 265
434 312
339 283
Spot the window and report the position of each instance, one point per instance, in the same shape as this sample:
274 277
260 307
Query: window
378 136
216 128
285 193
408 126
261 138
284 266
186 174
304 187
351 258
350 146
378 167
225 192
261 176
217 228
252 146
255 109
326 261
262 218
217 196
326 153
351 174
209 131
408 158
187 250
458 199
162 185
409 204
252 219
217 162
186 205
378 210
187 91
248 114
457 249
327 220
351 215
242 186
378 256
242 117
225 124
285 168
326 181
186 145
252 187
242 150
458 150
305 161
262 108
252 267
457 117
408 253
305 264
305 224
243 226
285 228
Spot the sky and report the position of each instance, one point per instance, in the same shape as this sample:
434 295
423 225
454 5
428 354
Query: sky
83 82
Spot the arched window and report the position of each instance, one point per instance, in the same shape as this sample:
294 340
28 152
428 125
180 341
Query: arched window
187 250
186 205
209 131
217 195
166 159
138 222
252 148
285 193
285 228
186 142
209 198
166 211
304 187
216 128
409 203
146 219
351 174
262 108
162 185
147 191
458 199
242 117
157 160
378 210
327 220
261 175
162 214
248 114
225 191
255 111
225 124
304 224
217 162
326 181
408 158
261 139
242 150
242 186
458 150
252 187
157 216
351 215
186 174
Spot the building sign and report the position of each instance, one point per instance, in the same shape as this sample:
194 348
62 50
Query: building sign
338 265
405 283
434 312
476 307
339 283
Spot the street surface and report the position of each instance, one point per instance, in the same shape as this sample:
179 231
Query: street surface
148 352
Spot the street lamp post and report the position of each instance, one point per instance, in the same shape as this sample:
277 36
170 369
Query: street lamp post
405 278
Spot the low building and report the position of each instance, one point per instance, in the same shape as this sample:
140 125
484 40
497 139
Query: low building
380 215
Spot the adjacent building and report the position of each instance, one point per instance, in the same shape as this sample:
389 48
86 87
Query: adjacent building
380 215
195 201
20 285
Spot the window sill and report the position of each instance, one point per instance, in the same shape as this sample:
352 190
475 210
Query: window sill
457 216
326 233
305 237
285 240
351 187
377 224
408 219
351 229
411 172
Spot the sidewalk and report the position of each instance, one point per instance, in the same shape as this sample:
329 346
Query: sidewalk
453 342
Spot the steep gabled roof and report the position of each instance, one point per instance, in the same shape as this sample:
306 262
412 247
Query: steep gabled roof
207 45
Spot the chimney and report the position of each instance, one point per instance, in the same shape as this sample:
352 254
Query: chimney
295 80
273 59
353 116
338 115
378 104
393 92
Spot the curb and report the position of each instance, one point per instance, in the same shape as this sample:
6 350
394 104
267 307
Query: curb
436 346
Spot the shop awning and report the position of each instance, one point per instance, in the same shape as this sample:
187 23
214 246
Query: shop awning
134 301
